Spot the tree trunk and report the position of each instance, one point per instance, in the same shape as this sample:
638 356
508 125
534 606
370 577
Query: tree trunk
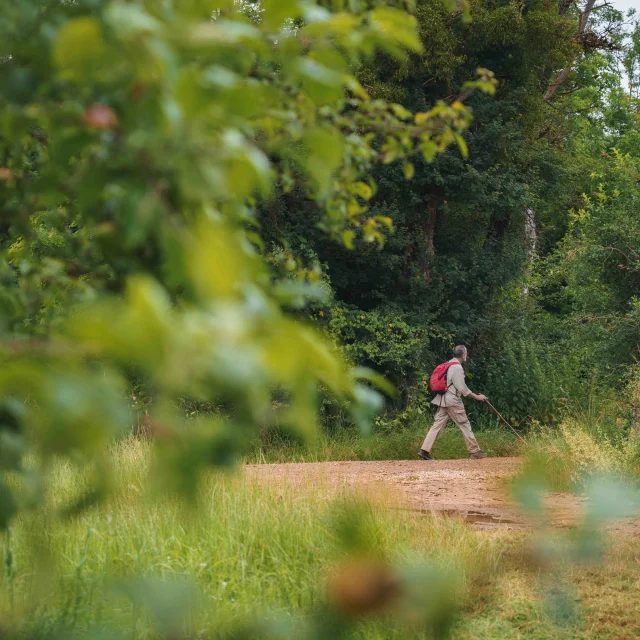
429 229
531 238
531 233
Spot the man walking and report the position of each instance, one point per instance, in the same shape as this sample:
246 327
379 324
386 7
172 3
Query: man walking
450 407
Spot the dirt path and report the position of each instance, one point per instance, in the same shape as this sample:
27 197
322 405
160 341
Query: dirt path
476 490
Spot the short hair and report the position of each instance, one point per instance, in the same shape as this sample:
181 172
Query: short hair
460 350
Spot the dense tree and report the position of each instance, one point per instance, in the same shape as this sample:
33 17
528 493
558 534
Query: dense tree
469 230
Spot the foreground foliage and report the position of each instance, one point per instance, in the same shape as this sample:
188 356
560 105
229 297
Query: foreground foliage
136 140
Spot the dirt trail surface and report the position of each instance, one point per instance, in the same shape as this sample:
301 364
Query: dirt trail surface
476 490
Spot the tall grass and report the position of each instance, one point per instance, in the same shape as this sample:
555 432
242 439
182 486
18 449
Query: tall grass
595 441
262 550
251 549
385 444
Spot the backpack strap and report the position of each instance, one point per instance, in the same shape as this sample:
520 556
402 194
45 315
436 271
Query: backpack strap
453 385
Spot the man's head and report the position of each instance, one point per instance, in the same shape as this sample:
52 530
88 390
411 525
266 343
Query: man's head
460 352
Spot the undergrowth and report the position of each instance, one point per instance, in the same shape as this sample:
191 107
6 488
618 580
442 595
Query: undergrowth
251 550
395 441
599 440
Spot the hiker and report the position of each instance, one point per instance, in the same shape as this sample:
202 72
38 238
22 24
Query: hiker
450 406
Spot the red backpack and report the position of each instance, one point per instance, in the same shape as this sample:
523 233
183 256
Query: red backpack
438 379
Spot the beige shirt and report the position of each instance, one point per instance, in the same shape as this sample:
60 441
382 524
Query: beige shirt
457 386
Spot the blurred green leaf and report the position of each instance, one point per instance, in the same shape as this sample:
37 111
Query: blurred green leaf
379 381
12 450
409 170
462 145
561 603
430 598
610 499
324 151
366 404
322 83
79 47
275 12
171 603
398 26
130 20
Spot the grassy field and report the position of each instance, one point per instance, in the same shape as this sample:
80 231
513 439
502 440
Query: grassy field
255 552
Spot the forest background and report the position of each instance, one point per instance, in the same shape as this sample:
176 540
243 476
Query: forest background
527 249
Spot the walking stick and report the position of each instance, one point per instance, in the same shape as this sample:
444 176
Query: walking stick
503 420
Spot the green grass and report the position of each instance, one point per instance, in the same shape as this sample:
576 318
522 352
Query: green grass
402 444
263 551
252 550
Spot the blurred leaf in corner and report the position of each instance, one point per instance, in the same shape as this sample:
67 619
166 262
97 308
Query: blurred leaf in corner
610 499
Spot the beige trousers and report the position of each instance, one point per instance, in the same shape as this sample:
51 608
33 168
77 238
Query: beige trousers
456 413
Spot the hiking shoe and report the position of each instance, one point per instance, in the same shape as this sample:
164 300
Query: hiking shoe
425 455
478 455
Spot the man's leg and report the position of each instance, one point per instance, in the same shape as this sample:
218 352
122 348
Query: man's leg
459 416
439 423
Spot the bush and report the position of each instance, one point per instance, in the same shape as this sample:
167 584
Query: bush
584 445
